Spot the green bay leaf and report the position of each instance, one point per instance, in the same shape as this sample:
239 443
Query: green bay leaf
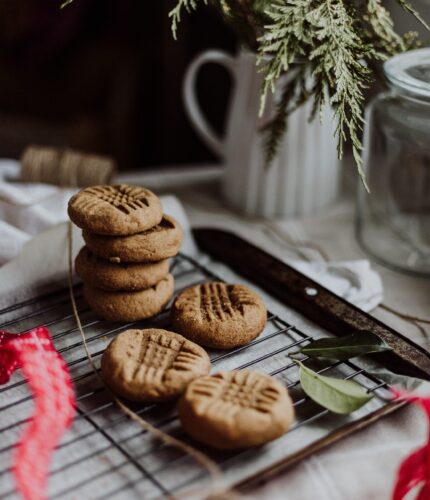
337 395
346 347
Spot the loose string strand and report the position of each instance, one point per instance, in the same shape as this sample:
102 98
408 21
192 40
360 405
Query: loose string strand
407 317
217 489
271 230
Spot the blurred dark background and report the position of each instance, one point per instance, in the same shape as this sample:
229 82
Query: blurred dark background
105 76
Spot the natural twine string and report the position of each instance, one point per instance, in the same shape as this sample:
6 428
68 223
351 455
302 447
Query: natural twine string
407 317
216 489
65 167
286 239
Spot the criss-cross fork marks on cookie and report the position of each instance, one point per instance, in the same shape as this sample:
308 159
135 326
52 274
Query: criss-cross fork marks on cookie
122 197
158 353
231 391
218 301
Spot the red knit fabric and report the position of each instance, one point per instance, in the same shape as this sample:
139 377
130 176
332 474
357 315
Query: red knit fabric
414 471
54 405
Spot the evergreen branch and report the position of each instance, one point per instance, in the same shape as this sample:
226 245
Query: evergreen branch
242 19
176 12
281 42
339 57
340 44
405 5
382 25
294 95
321 31
248 16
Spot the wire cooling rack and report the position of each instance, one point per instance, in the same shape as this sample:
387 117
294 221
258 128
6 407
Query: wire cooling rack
105 455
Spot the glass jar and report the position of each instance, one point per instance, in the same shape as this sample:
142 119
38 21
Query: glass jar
393 221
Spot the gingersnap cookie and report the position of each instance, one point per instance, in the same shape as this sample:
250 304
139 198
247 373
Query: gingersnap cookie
115 210
103 274
152 364
160 242
130 306
236 409
219 315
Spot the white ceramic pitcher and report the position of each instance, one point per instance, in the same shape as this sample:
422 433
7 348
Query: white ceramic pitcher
303 178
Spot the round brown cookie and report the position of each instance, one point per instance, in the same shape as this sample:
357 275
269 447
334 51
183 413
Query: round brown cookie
130 306
236 409
115 210
152 365
103 274
160 242
219 315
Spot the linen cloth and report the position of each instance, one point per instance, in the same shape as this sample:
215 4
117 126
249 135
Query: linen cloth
360 467
28 209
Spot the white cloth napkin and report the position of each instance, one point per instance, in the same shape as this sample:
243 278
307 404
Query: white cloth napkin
27 210
36 260
354 280
43 261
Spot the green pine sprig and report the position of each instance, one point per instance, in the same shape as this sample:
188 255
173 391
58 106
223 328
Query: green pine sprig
321 33
338 43
407 7
294 94
176 13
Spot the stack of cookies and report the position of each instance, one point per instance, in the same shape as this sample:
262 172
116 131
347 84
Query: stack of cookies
125 262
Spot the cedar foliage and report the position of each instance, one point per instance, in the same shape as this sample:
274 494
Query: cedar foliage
334 44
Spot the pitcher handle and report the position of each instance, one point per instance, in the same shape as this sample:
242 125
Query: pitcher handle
203 128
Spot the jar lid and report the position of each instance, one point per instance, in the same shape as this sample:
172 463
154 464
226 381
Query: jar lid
410 72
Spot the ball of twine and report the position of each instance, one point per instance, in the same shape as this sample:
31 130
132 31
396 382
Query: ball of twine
65 167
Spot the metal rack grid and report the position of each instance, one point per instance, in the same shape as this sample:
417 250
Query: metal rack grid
105 455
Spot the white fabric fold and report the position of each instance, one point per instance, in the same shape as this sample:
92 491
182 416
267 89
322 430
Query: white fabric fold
33 246
43 260
354 280
33 242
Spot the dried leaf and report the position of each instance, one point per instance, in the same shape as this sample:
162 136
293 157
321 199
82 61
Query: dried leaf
341 348
337 395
